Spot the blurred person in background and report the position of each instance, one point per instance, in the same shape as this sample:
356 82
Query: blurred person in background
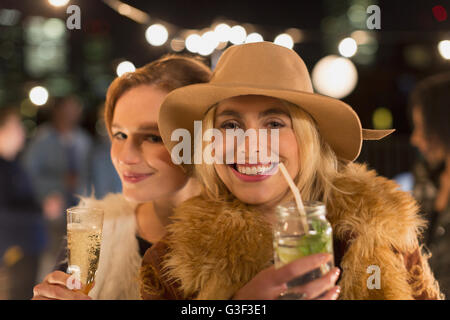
430 106
22 230
103 177
57 160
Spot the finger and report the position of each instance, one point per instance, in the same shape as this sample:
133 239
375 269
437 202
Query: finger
319 286
57 277
332 294
41 298
299 267
58 292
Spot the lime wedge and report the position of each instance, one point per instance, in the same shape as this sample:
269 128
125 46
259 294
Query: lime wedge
287 254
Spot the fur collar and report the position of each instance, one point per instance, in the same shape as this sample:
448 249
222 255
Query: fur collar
217 247
117 276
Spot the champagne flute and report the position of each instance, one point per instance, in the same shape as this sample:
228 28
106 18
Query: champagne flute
84 235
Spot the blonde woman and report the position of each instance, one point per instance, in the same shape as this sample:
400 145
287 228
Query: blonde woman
220 243
151 184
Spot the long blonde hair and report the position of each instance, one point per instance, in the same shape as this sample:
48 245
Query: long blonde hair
319 165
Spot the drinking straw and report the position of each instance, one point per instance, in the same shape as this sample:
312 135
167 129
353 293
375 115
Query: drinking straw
298 198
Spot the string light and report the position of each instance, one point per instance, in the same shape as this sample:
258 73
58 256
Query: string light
177 45
58 3
254 37
156 35
348 47
284 40
124 67
222 31
334 76
444 49
237 35
38 95
208 43
193 43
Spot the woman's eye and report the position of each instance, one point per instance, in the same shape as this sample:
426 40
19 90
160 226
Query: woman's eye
230 125
119 136
275 124
153 138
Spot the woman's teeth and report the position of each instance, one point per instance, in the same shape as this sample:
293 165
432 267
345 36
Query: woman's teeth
254 170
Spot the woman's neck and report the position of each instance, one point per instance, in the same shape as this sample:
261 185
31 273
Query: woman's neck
153 217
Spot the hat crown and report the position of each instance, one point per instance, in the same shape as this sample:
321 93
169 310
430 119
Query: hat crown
259 65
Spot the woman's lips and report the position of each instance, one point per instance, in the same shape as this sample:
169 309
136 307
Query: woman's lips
254 178
135 177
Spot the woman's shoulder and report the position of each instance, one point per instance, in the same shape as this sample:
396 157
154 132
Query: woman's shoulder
365 203
114 205
204 210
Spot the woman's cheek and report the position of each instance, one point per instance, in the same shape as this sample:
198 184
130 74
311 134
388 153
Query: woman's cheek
288 146
158 158
114 154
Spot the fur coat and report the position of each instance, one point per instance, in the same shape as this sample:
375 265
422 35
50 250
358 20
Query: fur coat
117 276
214 248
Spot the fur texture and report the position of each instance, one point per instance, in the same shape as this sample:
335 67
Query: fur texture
117 276
217 247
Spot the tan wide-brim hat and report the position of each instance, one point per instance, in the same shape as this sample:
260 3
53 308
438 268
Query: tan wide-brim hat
267 69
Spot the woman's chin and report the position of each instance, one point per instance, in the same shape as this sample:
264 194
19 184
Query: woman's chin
137 197
255 199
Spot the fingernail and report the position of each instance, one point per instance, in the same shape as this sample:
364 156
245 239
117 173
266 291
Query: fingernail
337 272
336 294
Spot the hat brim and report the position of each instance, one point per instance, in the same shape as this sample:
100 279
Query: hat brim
337 122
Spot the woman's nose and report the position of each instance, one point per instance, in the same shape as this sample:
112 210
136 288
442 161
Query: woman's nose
131 153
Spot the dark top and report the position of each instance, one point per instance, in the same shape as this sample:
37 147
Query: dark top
21 220
143 245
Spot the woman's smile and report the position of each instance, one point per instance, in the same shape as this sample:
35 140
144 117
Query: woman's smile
133 177
253 172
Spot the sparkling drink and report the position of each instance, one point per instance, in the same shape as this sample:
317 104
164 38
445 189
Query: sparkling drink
84 235
292 242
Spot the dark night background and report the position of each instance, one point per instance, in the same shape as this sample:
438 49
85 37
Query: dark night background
407 52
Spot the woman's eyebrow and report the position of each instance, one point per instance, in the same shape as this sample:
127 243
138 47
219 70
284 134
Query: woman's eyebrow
265 113
142 127
148 127
273 111
231 113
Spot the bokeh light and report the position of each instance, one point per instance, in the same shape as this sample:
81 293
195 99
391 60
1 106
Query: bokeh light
208 43
222 31
177 44
254 37
58 3
357 15
382 119
361 37
156 35
124 67
334 76
193 43
38 95
54 28
444 49
284 40
348 47
237 35
28 109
